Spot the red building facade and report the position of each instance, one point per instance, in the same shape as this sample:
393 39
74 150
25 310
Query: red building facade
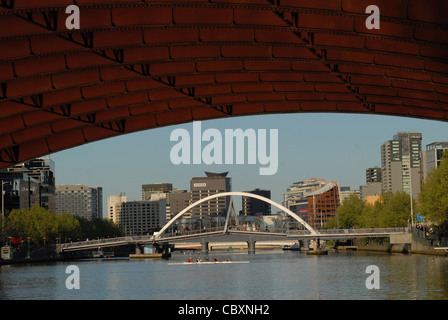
322 205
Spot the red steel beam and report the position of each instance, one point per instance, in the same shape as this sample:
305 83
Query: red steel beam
136 65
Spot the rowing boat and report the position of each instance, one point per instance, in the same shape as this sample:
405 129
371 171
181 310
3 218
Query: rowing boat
207 262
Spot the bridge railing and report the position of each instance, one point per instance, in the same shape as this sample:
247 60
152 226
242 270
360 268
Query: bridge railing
289 232
104 242
345 232
186 232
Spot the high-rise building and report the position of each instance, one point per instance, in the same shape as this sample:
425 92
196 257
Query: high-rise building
400 163
253 207
202 187
431 157
373 175
391 166
114 207
138 217
79 200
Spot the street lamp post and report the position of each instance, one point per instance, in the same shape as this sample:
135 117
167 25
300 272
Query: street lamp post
28 253
3 211
412 198
3 200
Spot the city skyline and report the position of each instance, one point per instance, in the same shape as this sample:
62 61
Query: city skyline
335 147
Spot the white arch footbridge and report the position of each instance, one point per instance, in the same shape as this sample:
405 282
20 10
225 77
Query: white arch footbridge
159 234
231 234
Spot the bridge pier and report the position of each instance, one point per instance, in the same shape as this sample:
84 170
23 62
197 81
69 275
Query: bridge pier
305 244
316 244
317 249
204 246
251 246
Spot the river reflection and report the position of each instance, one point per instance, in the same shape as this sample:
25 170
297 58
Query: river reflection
269 275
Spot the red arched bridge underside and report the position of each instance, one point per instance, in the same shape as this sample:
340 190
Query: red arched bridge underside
137 64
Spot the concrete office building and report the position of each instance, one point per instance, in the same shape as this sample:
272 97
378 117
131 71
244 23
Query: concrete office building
256 207
178 200
202 187
372 189
345 192
149 189
374 185
80 201
138 217
114 207
400 163
373 175
391 166
431 157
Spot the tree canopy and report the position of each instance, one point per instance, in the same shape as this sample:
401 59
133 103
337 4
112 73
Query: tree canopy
433 198
38 223
391 210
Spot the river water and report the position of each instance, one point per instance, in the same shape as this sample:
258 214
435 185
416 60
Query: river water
269 275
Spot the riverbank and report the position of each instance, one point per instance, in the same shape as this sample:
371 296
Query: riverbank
385 249
50 254
383 245
39 260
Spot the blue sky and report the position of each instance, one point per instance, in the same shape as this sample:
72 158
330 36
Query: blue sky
330 146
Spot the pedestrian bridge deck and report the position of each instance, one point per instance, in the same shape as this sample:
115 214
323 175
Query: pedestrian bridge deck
233 235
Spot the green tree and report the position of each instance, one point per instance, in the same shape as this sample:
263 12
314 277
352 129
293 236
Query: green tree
349 213
371 215
433 196
39 223
98 228
67 226
36 223
19 223
391 210
397 209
